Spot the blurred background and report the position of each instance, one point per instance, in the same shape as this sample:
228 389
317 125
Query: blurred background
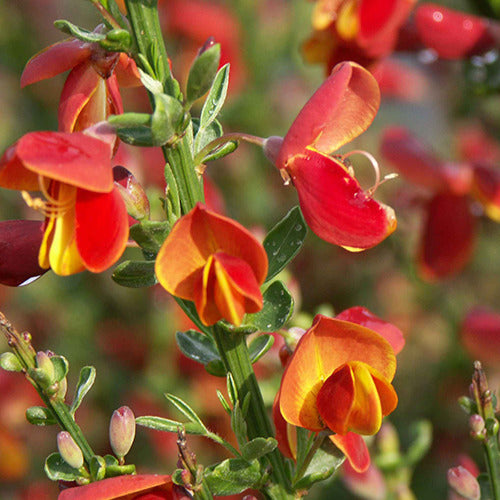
128 334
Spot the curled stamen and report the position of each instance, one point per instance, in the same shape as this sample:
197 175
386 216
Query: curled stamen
47 209
376 168
285 176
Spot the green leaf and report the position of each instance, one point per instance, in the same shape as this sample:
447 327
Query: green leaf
202 73
186 410
239 425
259 346
61 367
284 241
151 84
205 135
421 441
77 32
166 120
85 383
232 390
221 151
150 235
117 40
258 447
277 309
135 273
136 136
97 467
232 476
167 425
40 415
129 120
223 402
10 363
216 97
58 470
197 346
325 462
216 368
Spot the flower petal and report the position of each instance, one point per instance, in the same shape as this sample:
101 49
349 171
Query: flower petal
286 434
55 59
340 110
20 242
448 237
452 34
364 317
13 174
327 345
480 335
486 188
353 446
335 206
102 228
76 159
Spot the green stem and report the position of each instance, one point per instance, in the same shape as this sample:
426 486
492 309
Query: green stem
234 352
105 14
492 454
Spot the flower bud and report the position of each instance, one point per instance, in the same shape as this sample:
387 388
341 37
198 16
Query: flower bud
132 192
387 439
476 424
122 431
272 145
461 481
69 450
43 363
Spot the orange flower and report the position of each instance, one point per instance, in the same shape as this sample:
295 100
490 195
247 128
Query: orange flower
339 377
215 262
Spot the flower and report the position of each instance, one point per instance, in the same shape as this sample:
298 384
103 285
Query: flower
453 34
140 486
334 205
90 93
359 30
215 262
86 223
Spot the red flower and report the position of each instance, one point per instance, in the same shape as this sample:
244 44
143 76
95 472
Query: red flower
215 262
139 487
90 92
480 335
453 34
86 224
334 205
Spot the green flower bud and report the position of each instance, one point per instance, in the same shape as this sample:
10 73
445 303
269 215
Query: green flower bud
122 431
132 193
69 450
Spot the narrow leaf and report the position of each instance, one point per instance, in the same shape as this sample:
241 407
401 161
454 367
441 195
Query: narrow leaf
135 273
202 73
206 135
224 403
61 367
197 346
58 470
216 97
85 383
150 235
10 363
259 346
232 476
77 32
167 425
258 447
239 425
284 241
186 410
221 151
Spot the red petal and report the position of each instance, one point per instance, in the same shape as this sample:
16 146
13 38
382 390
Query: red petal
364 317
13 174
353 446
55 59
452 34
335 206
340 110
126 72
20 242
448 239
102 228
284 432
75 159
487 189
480 335
418 164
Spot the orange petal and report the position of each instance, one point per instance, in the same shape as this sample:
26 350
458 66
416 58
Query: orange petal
448 236
55 59
126 72
340 110
101 228
75 159
362 316
195 237
353 446
335 206
327 345
349 400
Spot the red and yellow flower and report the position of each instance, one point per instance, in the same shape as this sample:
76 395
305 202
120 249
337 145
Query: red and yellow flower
334 205
215 262
86 223
90 93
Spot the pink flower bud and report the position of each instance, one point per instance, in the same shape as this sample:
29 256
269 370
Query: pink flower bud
132 192
461 481
122 431
69 450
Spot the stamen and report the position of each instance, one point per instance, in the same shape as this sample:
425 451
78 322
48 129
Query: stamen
51 206
376 168
285 176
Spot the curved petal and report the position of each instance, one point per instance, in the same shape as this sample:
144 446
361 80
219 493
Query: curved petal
335 206
448 238
327 345
285 433
486 189
340 110
452 34
123 487
195 237
55 59
13 174
353 446
76 159
101 228
20 242
126 72
364 317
